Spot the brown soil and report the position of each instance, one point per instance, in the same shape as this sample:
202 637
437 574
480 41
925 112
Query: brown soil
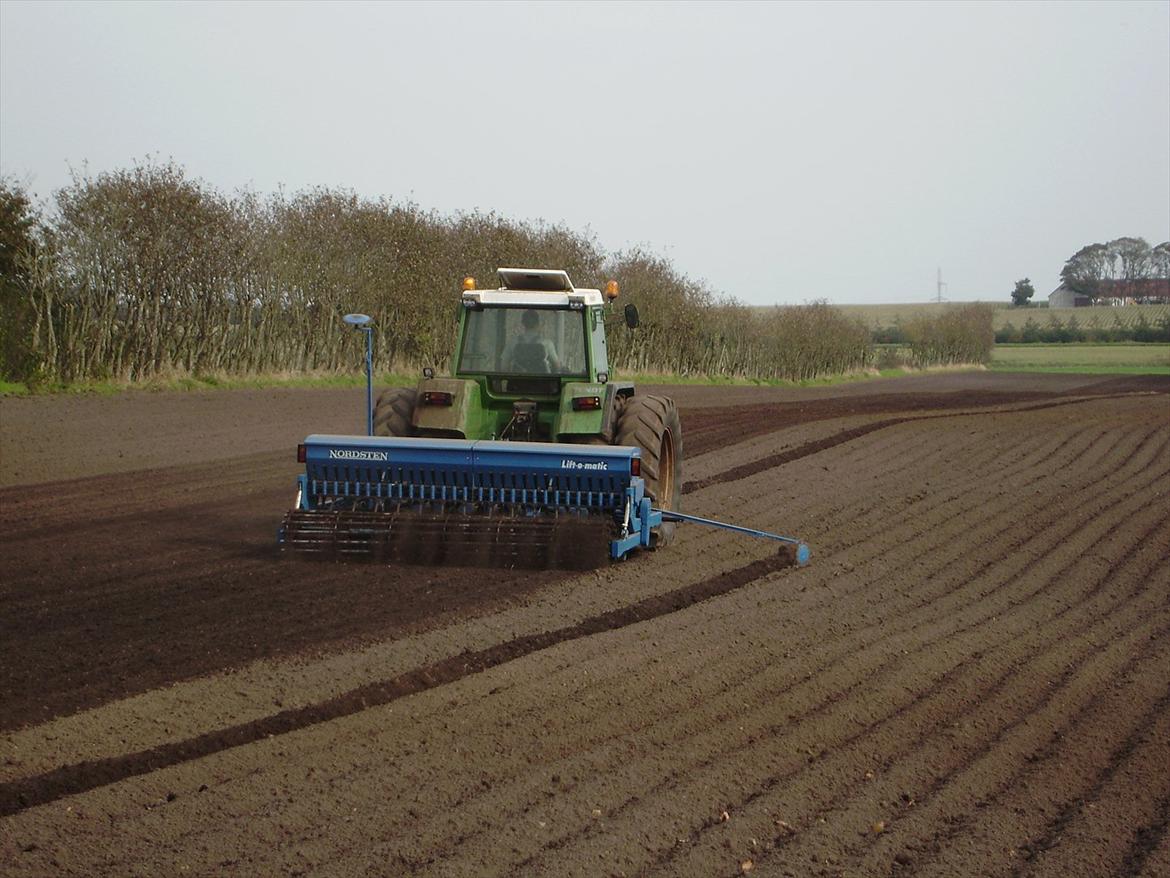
968 679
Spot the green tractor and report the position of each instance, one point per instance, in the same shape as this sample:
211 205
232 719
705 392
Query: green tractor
530 365
528 455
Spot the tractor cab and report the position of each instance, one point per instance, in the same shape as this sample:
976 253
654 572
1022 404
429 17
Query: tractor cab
532 334
530 364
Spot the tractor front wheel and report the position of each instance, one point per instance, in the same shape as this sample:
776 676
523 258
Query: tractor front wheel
393 412
651 423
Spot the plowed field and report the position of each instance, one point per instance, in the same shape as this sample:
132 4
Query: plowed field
971 677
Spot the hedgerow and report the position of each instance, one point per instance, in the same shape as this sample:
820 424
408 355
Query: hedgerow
144 271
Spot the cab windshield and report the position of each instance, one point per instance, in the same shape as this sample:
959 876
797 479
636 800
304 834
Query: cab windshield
523 341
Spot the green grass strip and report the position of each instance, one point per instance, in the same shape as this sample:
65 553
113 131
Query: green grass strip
1091 359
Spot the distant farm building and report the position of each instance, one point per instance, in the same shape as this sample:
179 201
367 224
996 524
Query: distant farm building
1063 297
1145 291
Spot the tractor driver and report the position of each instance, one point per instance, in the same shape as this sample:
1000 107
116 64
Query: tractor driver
532 351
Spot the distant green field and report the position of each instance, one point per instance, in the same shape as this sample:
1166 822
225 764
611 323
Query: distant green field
879 316
1121 359
1101 317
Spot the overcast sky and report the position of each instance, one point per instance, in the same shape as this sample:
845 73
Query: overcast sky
781 152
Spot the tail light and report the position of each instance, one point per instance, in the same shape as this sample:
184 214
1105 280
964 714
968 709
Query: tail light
301 452
586 403
436 397
635 466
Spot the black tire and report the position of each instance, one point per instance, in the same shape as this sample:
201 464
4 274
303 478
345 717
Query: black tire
651 423
393 412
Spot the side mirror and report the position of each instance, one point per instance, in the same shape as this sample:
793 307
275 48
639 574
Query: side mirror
428 372
632 316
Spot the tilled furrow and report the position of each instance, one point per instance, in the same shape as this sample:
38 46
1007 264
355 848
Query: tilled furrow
568 733
72 779
1093 739
947 780
1055 851
942 641
575 734
1149 849
564 732
911 646
744 471
951 761
334 577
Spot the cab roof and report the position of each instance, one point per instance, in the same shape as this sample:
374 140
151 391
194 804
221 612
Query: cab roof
534 287
535 280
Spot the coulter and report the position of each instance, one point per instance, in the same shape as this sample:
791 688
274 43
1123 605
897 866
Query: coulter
527 455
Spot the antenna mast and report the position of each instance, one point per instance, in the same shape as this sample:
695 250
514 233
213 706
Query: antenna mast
941 287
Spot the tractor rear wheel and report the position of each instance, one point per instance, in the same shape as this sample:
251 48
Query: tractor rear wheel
392 414
651 423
